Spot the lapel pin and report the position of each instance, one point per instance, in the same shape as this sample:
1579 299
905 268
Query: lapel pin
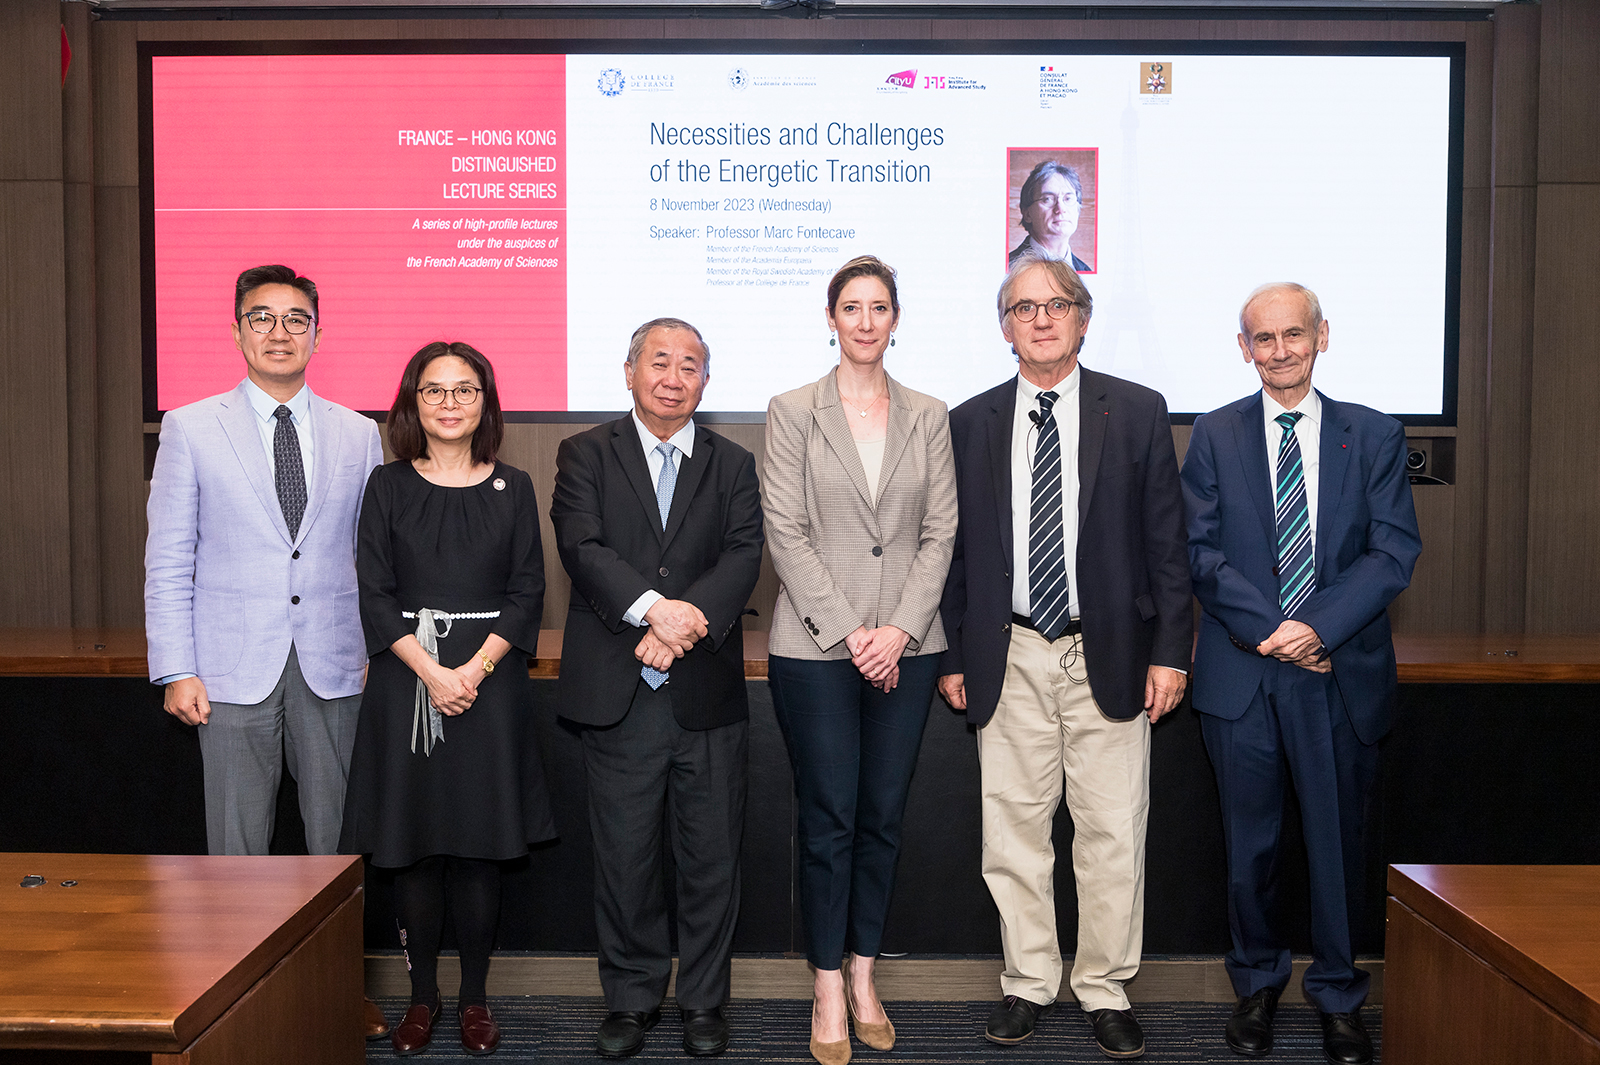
499 484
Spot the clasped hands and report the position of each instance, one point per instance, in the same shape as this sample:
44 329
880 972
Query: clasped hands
1298 644
675 625
453 691
876 653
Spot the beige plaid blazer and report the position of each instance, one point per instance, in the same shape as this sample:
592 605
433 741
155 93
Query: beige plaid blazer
845 559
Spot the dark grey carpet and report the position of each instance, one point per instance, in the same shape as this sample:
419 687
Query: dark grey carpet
552 1030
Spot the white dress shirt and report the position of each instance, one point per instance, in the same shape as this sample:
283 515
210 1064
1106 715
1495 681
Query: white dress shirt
267 421
1024 441
1308 430
683 440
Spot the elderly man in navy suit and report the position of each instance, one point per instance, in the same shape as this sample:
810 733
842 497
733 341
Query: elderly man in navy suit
1070 623
1301 532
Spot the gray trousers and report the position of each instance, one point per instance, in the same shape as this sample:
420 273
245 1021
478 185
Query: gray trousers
243 749
649 777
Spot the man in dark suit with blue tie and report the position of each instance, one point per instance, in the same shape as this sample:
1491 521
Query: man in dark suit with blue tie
658 522
1301 532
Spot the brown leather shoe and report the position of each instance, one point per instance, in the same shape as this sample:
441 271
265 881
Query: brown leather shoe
372 1020
479 1033
413 1034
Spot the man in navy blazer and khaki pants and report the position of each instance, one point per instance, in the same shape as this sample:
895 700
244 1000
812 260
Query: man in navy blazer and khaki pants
1301 532
1070 621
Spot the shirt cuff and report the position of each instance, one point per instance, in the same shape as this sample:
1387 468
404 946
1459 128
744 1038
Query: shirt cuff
634 615
170 677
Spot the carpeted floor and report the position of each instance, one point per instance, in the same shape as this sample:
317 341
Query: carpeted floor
551 1029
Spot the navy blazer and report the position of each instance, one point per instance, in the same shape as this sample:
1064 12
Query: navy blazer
1366 547
1133 579
609 535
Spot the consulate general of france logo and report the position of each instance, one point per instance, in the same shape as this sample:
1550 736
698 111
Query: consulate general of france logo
612 82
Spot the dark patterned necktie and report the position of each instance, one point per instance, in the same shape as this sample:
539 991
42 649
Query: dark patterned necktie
288 471
1295 568
1047 559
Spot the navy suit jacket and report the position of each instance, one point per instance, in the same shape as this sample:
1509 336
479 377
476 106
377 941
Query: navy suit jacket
1366 547
1133 579
609 535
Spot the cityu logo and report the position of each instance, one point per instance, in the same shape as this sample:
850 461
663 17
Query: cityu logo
906 79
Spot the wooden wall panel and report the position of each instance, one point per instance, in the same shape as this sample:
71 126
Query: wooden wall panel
1505 505
1516 94
120 401
77 122
1569 103
34 538
1433 583
116 105
1563 501
30 85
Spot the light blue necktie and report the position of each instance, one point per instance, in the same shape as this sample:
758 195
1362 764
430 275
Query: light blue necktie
664 486
1295 554
1047 556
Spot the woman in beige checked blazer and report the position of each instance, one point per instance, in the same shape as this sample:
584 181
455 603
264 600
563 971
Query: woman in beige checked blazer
860 501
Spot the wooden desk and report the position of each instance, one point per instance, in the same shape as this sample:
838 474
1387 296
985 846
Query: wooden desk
1492 964
1423 659
187 959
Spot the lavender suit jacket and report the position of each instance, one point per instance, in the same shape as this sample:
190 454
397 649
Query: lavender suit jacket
226 590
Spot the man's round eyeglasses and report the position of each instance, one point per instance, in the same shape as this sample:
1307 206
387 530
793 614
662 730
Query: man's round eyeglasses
466 395
265 321
1027 310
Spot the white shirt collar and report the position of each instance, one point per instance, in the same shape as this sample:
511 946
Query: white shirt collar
1310 406
266 407
1066 388
683 439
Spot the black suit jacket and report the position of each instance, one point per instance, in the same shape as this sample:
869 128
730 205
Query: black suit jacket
1132 567
608 531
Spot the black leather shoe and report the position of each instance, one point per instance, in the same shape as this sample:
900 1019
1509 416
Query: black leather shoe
1344 1040
1013 1020
1249 1030
1117 1033
622 1032
705 1033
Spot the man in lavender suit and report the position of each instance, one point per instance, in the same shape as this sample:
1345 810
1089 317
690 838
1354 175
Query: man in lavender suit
250 578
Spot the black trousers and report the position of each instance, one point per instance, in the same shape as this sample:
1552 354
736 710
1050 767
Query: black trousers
853 749
651 781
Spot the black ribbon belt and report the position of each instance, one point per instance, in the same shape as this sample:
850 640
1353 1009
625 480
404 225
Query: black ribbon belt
1074 627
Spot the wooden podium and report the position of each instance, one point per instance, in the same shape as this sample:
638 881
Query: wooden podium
1490 964
187 959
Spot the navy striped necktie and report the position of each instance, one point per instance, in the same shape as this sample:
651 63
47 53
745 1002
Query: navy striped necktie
1048 597
1296 569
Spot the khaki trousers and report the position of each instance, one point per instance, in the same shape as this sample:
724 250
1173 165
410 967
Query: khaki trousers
1048 739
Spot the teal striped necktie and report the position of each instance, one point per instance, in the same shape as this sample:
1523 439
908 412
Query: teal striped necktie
1296 568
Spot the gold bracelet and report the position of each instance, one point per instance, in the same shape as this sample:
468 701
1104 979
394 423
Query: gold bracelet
488 663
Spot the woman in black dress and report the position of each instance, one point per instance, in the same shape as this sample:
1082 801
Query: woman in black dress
445 783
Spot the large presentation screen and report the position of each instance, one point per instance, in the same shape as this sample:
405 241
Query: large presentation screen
541 206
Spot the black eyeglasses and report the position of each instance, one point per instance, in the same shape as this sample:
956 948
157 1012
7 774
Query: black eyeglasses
1027 310
466 395
265 321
